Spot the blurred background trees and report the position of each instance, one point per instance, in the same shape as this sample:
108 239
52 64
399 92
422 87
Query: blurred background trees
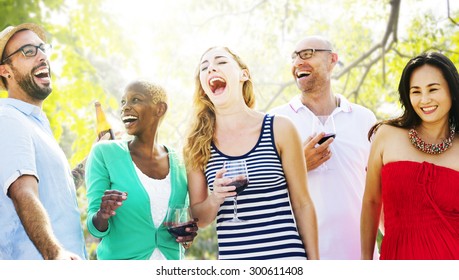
101 45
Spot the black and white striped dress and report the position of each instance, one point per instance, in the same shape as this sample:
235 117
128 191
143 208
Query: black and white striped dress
270 231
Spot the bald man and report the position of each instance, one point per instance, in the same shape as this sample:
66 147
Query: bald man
336 164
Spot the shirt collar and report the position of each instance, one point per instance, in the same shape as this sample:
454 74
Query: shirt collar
24 107
344 106
296 104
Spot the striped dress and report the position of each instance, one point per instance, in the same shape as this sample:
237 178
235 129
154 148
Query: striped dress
270 230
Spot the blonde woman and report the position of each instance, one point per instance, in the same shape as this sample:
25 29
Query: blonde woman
280 221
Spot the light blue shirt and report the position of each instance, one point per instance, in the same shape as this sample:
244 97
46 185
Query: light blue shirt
27 146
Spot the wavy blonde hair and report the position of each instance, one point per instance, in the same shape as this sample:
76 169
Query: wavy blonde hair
201 131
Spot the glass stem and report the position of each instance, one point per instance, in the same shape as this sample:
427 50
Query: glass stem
181 252
235 207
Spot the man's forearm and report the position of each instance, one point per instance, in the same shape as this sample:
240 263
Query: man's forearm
34 217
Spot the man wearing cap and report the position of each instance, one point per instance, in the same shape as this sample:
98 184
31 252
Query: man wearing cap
39 215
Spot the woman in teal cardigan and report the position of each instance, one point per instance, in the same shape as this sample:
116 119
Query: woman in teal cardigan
131 183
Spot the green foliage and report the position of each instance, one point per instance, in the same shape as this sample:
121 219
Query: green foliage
379 239
205 245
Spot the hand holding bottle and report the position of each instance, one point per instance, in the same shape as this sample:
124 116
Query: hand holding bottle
103 127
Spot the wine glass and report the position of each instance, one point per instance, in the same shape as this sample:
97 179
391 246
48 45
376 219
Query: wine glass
324 124
178 218
236 170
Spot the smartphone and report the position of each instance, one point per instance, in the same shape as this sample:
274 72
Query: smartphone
326 137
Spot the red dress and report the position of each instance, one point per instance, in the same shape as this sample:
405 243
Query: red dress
421 211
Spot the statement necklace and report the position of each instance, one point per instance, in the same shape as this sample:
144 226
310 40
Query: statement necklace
433 149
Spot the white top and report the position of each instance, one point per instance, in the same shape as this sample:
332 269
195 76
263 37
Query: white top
337 186
159 192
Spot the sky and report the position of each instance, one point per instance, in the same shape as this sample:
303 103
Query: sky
140 19
172 29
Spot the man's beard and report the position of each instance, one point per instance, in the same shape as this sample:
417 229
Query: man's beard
313 85
28 84
307 87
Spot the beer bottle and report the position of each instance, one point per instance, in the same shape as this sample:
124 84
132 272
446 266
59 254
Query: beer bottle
102 124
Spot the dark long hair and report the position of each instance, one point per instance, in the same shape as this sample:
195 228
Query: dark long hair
409 118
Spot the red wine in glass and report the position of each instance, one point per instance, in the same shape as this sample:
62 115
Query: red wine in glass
178 218
236 170
180 229
240 185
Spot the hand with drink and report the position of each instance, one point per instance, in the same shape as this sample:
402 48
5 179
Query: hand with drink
180 223
236 170
104 132
103 127
230 181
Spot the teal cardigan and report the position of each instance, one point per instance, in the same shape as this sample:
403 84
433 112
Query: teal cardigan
131 233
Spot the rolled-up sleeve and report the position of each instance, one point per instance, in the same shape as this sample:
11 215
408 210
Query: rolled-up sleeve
17 152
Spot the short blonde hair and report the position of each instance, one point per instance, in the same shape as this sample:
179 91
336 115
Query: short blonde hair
157 92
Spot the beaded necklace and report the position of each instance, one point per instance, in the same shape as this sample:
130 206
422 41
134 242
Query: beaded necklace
433 149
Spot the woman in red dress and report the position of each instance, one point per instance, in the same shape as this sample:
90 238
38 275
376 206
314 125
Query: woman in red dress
413 168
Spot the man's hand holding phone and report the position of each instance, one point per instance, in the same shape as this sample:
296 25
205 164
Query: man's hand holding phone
317 149
326 137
